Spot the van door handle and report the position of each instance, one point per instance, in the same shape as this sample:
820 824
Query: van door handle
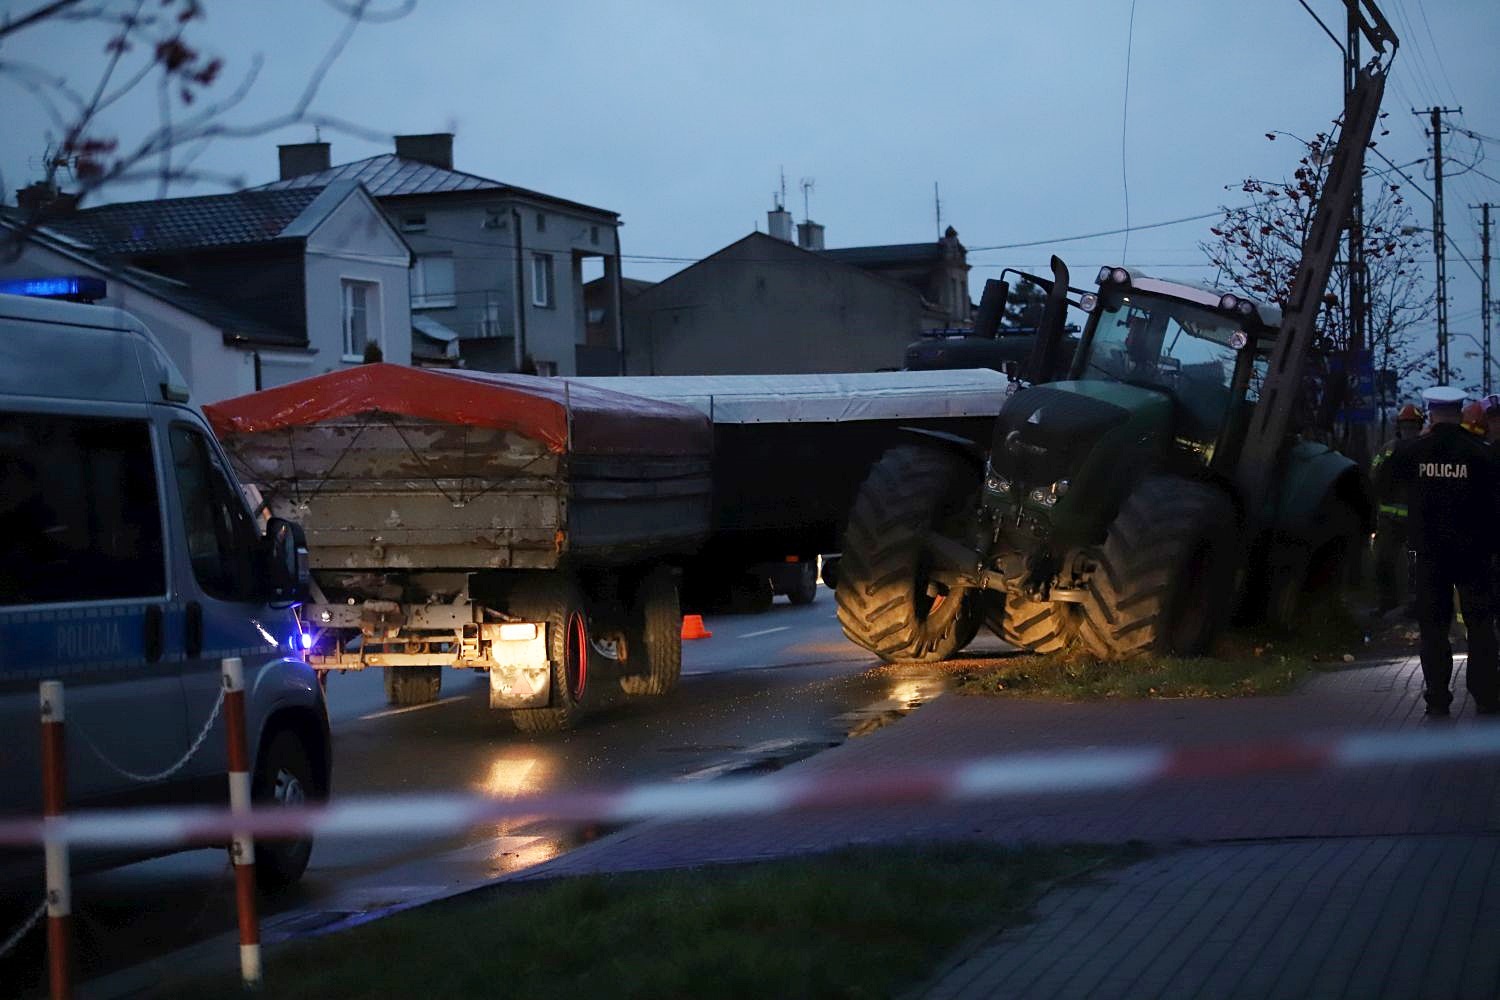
153 633
193 629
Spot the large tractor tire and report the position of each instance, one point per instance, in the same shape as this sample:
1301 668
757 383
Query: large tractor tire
1037 626
1164 578
412 685
886 602
655 639
556 600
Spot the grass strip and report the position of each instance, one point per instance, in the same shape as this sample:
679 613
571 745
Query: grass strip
1243 663
866 922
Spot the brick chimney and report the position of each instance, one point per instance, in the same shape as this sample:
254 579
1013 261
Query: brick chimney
44 200
300 158
810 235
435 148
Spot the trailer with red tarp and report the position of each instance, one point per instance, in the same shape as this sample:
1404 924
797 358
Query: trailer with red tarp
520 525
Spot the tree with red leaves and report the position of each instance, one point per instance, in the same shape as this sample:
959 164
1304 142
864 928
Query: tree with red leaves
1257 247
149 43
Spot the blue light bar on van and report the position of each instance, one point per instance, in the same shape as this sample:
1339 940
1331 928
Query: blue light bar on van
87 289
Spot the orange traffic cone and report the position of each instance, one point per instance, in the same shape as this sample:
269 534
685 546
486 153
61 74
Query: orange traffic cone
692 628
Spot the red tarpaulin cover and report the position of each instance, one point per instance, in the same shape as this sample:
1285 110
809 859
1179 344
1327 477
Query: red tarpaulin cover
604 422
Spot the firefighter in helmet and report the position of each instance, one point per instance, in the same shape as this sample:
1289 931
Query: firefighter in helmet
1491 417
1392 561
1473 419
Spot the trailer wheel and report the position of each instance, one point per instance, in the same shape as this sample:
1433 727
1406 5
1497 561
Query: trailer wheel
1036 626
1164 578
806 589
412 685
556 601
886 601
655 637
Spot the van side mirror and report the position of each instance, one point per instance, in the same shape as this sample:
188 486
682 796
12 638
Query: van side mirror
287 575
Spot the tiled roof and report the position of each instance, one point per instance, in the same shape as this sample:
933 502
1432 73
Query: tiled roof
234 324
223 220
390 176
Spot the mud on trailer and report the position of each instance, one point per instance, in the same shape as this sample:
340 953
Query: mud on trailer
517 525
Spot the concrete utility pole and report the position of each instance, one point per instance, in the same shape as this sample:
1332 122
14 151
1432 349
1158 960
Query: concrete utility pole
1484 285
1438 239
1357 277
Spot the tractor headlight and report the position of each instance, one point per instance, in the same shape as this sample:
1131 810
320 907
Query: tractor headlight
1047 496
1229 303
1113 276
994 482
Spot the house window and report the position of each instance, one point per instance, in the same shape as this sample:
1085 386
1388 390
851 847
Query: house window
414 222
361 322
541 223
432 282
594 235
541 280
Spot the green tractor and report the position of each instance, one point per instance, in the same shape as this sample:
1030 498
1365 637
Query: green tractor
1140 490
1111 509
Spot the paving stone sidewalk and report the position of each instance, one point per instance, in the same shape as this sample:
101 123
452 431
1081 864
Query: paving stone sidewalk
1361 883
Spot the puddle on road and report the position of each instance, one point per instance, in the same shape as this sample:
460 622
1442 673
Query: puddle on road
910 688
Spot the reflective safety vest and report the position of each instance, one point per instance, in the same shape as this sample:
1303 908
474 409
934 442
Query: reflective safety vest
1393 510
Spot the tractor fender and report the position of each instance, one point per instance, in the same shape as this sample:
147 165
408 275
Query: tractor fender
1314 474
970 450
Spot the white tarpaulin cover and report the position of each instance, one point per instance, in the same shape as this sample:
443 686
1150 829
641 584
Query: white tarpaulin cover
764 399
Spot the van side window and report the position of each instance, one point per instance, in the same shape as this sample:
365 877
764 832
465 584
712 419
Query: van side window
221 536
80 518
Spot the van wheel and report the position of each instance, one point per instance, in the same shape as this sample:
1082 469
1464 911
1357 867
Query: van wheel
556 601
283 777
412 685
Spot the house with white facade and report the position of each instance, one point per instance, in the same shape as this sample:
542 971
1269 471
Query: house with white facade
499 268
246 290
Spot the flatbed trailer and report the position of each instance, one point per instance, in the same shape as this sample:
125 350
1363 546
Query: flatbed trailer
789 454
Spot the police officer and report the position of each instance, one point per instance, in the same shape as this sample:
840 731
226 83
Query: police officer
1392 568
1453 485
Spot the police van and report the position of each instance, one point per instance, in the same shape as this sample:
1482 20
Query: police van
130 565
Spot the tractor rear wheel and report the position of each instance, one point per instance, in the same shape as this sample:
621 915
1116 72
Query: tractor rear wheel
887 601
1164 578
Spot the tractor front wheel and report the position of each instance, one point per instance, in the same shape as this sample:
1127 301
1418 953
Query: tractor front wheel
1163 581
889 599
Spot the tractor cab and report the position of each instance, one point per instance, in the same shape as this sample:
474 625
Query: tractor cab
1203 349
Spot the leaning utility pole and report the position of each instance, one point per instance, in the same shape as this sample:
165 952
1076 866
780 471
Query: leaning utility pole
1484 285
1438 238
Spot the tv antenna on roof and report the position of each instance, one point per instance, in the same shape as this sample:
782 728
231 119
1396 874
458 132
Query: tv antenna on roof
806 185
780 199
937 208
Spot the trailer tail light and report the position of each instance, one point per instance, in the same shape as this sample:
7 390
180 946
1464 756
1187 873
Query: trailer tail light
517 631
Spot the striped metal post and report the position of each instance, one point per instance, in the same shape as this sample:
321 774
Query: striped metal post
54 801
242 845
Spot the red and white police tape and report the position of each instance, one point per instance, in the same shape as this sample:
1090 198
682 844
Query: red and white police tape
972 780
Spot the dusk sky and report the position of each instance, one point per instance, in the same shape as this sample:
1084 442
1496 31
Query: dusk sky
681 115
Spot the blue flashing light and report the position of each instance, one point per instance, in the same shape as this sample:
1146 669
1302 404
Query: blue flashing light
307 641
89 289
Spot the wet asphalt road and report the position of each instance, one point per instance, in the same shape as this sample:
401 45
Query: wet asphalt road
764 691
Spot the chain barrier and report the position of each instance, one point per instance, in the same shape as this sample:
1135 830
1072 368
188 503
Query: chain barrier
159 775
23 930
